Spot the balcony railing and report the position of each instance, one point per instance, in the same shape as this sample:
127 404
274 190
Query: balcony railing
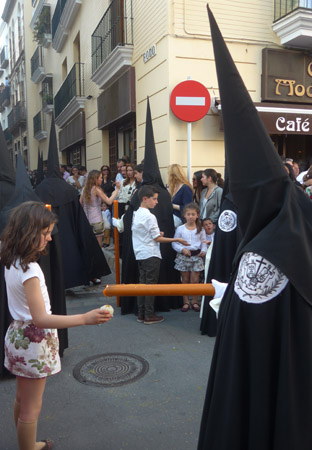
57 15
36 63
4 98
64 15
284 7
17 116
39 126
7 136
73 86
115 29
4 57
47 95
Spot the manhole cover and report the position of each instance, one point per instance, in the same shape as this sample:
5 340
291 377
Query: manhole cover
110 369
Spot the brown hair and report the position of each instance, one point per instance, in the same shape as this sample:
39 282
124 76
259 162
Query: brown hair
90 183
215 176
194 207
22 236
127 180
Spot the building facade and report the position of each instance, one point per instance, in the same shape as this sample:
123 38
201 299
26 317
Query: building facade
91 65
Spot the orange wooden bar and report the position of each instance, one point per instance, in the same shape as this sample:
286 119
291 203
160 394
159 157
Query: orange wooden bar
133 290
116 239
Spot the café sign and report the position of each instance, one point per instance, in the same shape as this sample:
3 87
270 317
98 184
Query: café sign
286 76
279 120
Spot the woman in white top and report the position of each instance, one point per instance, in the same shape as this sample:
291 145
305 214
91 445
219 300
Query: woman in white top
76 180
31 341
127 189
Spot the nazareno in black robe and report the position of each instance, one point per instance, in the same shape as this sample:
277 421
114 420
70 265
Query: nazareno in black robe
164 214
226 240
82 256
51 264
259 390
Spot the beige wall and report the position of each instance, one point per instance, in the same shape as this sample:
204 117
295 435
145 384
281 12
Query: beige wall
180 30
186 51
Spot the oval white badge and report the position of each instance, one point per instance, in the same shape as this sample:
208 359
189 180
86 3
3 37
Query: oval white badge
258 280
227 220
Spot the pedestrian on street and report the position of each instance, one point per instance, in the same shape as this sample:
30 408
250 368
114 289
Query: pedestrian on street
31 341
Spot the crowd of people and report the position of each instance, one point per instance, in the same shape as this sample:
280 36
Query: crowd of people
196 207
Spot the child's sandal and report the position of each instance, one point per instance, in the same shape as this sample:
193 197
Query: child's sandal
196 307
185 307
48 444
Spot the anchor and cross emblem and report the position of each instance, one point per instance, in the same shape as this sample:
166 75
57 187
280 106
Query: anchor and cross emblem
257 279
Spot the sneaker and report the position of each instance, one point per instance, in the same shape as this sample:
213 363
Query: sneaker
140 319
153 319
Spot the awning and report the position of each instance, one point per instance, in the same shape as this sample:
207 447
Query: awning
281 118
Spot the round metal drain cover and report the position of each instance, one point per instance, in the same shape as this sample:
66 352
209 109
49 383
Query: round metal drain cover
111 369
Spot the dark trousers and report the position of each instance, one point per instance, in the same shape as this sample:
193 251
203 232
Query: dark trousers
149 273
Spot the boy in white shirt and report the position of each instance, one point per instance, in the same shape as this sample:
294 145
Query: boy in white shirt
146 238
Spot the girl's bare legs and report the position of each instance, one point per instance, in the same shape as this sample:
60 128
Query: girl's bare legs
194 278
99 239
185 278
29 392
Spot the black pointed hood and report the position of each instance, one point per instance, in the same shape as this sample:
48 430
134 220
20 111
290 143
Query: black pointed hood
40 174
151 172
23 192
53 159
7 173
275 216
53 189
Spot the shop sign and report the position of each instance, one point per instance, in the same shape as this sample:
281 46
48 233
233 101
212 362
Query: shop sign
150 53
286 123
286 76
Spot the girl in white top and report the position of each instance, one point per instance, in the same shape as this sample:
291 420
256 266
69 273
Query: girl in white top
31 341
189 260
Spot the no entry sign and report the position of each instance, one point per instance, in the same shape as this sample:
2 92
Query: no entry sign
190 101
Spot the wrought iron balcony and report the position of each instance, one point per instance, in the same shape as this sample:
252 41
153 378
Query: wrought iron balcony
64 15
7 136
293 22
37 68
47 95
17 116
4 57
112 43
4 98
70 97
39 127
41 24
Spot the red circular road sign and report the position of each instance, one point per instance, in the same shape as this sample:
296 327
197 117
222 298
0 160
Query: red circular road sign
190 101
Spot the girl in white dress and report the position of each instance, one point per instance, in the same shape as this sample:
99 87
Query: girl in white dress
189 259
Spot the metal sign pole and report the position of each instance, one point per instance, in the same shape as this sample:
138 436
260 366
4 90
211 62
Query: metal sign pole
189 151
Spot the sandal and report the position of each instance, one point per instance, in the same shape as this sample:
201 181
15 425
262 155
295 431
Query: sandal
196 307
185 307
48 444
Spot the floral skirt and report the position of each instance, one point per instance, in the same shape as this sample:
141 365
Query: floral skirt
188 263
30 351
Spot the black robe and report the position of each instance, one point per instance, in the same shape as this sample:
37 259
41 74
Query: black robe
164 214
167 274
259 389
82 256
221 263
51 264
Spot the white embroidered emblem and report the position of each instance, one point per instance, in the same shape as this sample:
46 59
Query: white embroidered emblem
258 280
227 221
